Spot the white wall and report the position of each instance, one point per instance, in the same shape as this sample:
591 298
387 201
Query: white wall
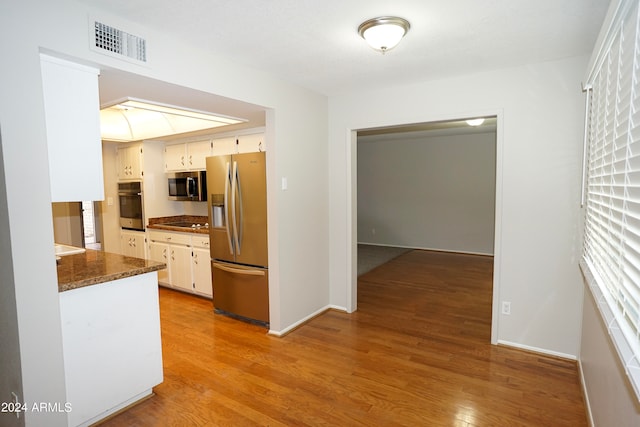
10 365
428 190
155 191
29 217
296 136
539 151
110 214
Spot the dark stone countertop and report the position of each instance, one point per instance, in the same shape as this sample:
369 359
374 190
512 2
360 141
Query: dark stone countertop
94 267
165 223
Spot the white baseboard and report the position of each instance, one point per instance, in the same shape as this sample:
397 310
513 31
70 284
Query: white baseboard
585 394
119 408
538 350
425 248
299 323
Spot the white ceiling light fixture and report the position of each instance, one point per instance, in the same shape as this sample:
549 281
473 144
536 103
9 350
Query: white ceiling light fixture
475 122
133 119
384 33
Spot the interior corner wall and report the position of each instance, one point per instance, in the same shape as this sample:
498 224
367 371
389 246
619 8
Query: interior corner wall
428 191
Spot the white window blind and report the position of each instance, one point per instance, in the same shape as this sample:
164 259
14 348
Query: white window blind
611 261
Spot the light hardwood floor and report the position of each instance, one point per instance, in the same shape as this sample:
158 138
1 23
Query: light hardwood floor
416 353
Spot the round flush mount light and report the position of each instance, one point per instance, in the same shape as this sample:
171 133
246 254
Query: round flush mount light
384 33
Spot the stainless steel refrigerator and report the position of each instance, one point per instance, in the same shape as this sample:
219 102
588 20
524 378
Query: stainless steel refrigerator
238 231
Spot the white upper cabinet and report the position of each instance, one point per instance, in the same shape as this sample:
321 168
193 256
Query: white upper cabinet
129 160
251 143
223 146
72 113
175 157
197 153
187 156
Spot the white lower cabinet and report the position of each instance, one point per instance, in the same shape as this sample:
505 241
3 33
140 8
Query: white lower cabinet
187 258
132 243
160 252
201 264
180 270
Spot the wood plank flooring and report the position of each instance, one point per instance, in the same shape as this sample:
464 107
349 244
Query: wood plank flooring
416 353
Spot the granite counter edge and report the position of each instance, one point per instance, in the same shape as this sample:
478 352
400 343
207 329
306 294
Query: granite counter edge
79 279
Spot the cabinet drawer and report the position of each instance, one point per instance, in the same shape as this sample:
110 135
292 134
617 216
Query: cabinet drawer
200 241
169 237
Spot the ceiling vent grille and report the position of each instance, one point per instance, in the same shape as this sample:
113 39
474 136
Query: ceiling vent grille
118 42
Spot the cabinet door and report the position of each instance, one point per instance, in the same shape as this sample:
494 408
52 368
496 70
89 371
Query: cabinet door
132 244
224 146
139 247
251 143
124 163
125 244
175 157
180 269
129 159
197 153
160 252
135 161
202 271
72 115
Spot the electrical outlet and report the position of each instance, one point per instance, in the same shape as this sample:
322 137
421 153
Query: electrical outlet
506 307
373 231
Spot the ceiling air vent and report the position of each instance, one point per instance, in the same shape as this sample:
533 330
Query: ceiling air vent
118 42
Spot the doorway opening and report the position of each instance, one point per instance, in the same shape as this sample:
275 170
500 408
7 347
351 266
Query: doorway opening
431 186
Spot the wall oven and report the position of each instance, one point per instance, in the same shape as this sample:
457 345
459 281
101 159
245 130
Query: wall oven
191 186
131 206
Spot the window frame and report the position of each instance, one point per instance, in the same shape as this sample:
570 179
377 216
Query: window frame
611 236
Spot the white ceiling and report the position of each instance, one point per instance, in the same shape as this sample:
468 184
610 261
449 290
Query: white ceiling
315 43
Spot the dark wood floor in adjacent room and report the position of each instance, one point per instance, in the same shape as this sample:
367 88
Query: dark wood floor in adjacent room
416 353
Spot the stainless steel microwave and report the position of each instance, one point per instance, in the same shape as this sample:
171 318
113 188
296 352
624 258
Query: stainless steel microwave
191 186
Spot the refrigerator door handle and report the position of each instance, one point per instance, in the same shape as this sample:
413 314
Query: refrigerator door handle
240 221
234 191
226 206
238 270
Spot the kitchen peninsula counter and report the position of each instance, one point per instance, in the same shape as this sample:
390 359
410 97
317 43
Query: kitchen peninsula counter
93 267
111 341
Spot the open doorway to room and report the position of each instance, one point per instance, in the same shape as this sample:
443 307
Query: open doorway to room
428 186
